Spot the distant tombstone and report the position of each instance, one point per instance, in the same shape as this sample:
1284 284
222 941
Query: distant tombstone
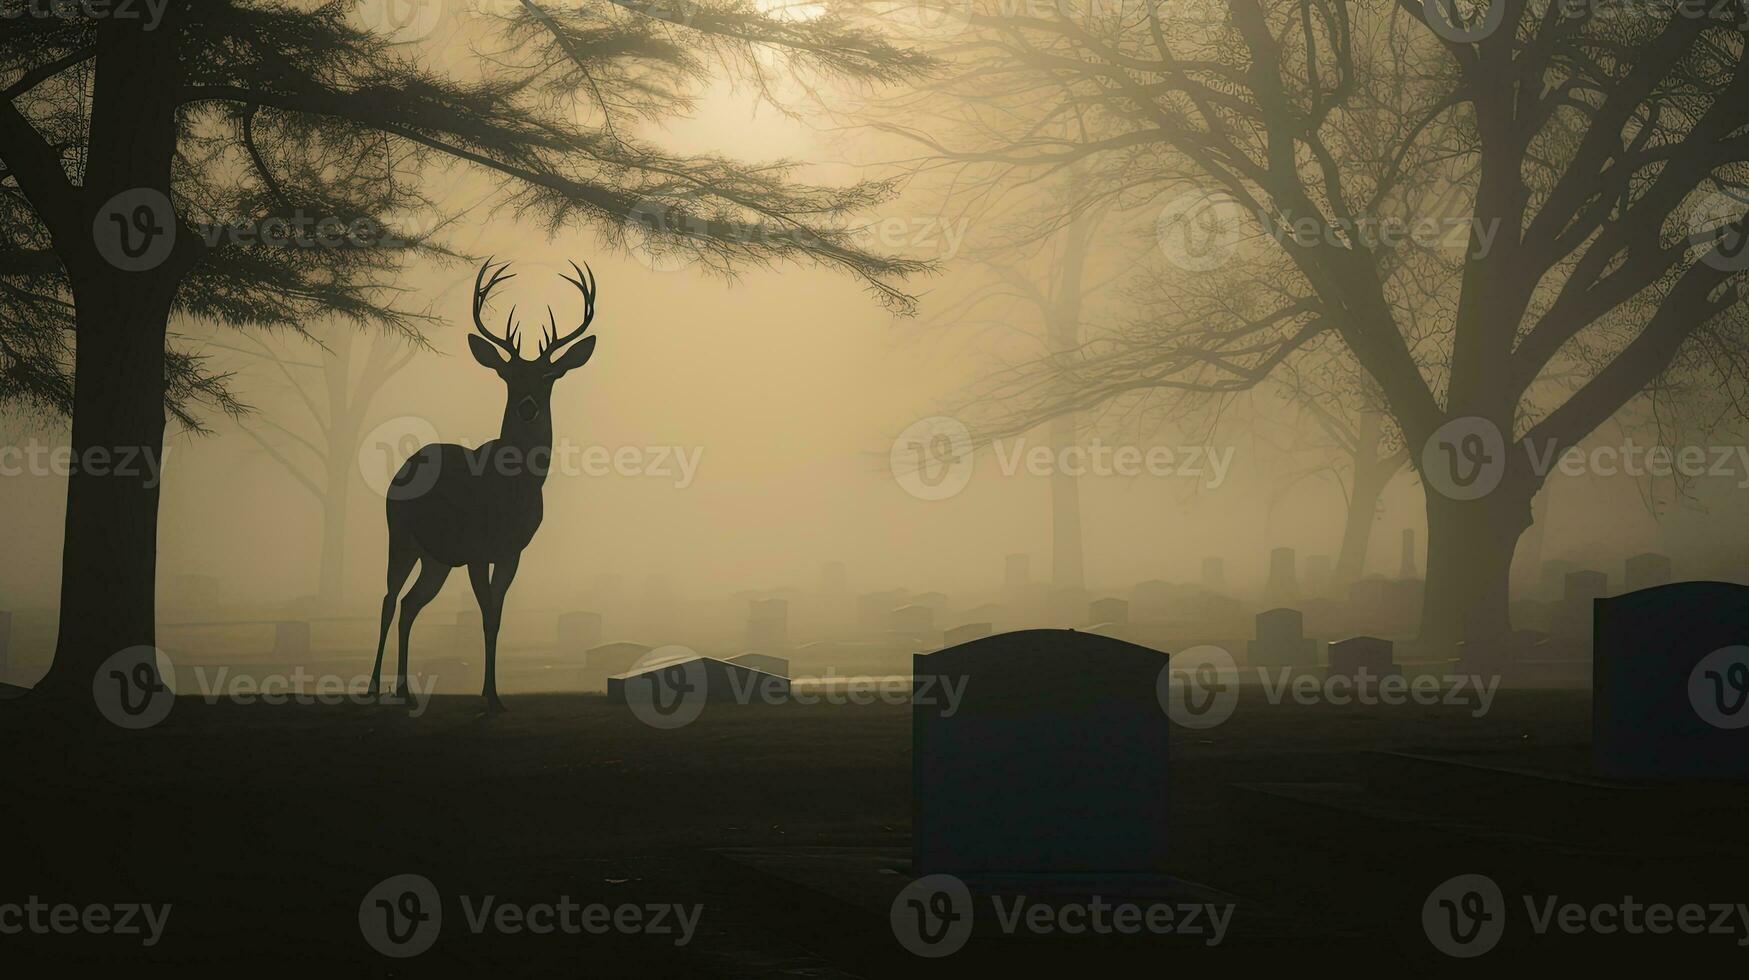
1108 611
1366 599
1052 761
1281 640
578 631
1670 683
989 613
873 609
934 600
833 578
1016 572
609 659
1580 589
1318 575
1646 571
1360 656
913 619
291 640
1403 598
1150 600
1554 578
965 634
673 681
1214 574
1283 586
759 661
768 625
5 642
1408 568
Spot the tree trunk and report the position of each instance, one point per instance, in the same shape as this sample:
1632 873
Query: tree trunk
1372 475
1363 505
1469 560
331 581
110 552
1067 571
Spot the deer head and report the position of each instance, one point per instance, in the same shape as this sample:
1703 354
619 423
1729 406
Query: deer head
530 381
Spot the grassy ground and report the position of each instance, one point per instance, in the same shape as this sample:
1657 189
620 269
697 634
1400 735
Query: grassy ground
265 826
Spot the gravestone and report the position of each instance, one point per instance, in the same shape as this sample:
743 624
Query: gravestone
913 619
675 681
873 609
1408 567
1150 600
578 631
1052 761
759 661
1402 602
934 600
1360 656
608 659
291 640
1214 574
834 579
1580 589
1366 600
1670 683
1554 578
1108 611
1282 586
768 625
1646 571
1281 641
1318 575
965 634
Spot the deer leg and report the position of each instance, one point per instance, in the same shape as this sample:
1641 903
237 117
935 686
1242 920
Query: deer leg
491 592
401 558
432 574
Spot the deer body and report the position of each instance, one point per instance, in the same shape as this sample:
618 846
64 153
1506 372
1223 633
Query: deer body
451 506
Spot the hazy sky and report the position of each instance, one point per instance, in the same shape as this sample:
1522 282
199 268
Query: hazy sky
787 389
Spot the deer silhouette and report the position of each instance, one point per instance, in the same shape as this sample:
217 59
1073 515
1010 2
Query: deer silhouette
450 506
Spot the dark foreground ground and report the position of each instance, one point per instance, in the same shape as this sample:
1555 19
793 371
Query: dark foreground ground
265 826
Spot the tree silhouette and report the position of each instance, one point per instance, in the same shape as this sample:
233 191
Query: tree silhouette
260 164
1596 158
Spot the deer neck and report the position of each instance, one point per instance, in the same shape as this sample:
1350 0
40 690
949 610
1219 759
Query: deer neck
532 440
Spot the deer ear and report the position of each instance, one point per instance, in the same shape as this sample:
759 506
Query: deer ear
576 357
485 353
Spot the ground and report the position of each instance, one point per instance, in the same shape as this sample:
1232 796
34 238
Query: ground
265 827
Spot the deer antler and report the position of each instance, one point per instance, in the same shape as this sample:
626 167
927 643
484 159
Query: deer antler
585 282
483 287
